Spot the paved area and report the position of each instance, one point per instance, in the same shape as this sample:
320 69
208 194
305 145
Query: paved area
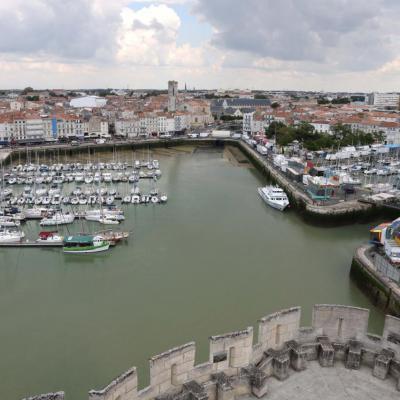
338 383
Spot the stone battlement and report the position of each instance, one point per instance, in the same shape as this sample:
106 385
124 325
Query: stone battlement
237 366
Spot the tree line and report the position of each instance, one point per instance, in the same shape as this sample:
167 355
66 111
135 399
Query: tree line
306 134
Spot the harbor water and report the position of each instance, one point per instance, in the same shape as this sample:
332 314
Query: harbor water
213 259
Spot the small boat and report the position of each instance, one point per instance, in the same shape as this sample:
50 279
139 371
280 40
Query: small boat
58 219
35 212
50 237
154 199
9 222
83 244
11 236
163 198
126 199
135 199
274 196
110 200
109 220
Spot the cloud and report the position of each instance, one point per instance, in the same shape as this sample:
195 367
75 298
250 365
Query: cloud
69 29
149 35
344 34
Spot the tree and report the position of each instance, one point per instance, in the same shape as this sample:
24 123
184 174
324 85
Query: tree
275 105
260 97
323 100
27 90
273 128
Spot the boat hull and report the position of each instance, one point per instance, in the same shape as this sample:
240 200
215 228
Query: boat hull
87 250
277 206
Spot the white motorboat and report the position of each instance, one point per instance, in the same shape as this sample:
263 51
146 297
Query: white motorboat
109 220
274 196
50 237
163 198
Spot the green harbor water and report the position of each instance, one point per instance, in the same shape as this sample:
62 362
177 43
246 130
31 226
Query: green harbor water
214 259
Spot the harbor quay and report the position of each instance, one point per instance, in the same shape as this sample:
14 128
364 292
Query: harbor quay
370 270
320 212
333 357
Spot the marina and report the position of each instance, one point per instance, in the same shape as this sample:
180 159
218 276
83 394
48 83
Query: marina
71 311
62 195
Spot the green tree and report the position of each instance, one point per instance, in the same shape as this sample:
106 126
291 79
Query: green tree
27 90
275 105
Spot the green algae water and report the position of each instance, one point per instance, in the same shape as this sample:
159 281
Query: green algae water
215 258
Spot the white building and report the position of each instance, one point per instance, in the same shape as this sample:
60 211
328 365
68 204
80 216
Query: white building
384 99
321 126
88 102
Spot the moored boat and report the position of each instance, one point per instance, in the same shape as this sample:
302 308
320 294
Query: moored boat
274 196
83 244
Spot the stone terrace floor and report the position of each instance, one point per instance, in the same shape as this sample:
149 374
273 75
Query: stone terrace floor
317 383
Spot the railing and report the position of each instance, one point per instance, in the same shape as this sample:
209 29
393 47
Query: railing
387 269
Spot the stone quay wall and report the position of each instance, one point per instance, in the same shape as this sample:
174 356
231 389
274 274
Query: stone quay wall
238 365
383 292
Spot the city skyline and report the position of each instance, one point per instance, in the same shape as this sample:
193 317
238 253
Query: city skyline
339 45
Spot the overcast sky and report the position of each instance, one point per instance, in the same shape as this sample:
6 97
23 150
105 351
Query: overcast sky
256 44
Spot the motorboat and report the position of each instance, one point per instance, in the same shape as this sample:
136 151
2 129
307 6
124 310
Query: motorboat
274 196
50 237
109 220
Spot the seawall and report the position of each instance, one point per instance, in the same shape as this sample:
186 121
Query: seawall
383 293
240 365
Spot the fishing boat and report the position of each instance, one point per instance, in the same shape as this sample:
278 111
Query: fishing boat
50 237
83 244
274 196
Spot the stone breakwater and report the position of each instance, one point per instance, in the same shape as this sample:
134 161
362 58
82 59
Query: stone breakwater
240 366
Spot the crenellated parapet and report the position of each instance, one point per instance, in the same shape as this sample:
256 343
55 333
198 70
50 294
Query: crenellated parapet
238 365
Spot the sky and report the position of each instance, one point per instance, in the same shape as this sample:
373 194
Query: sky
330 45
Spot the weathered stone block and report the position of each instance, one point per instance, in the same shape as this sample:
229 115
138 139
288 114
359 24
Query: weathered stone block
298 356
353 359
326 353
382 364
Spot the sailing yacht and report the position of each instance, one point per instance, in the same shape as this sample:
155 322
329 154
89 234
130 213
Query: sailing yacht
11 236
58 219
